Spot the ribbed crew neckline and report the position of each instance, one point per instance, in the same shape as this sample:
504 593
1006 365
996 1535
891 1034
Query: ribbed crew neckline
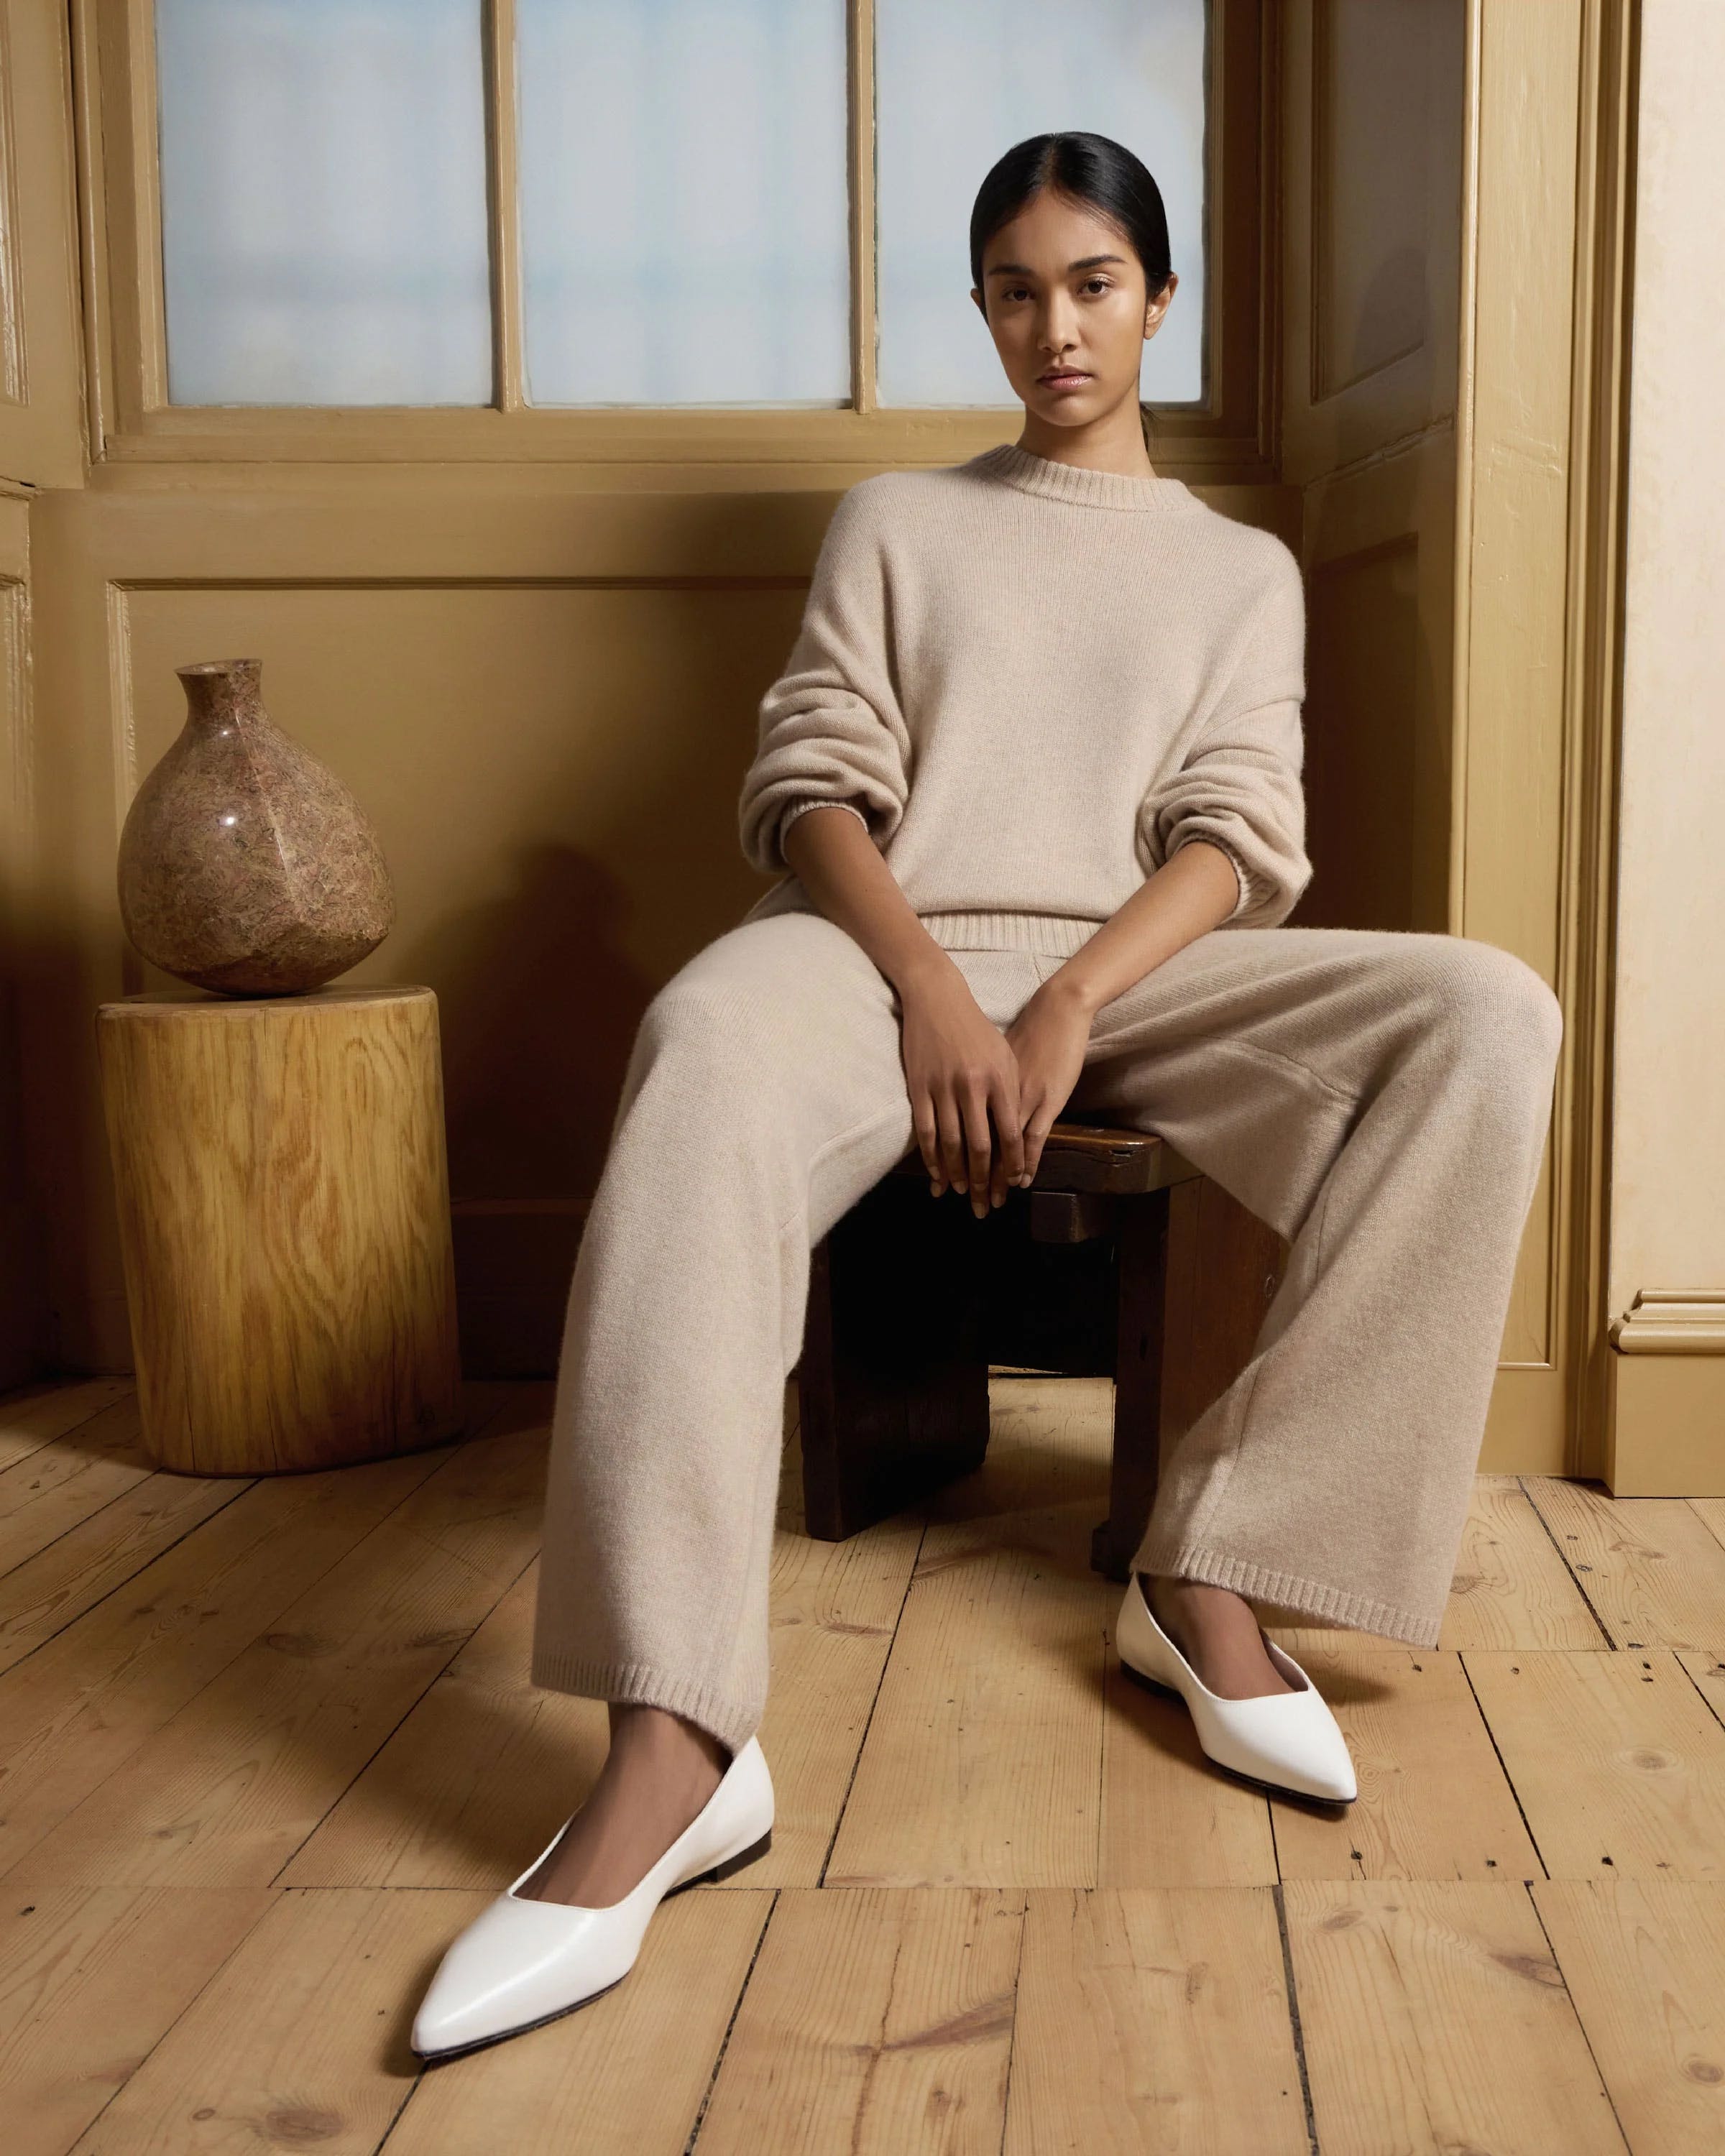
1093 490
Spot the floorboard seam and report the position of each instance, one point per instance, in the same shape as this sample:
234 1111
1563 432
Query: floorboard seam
1502 1763
742 1990
1718 1664
1605 2087
1293 1994
880 1687
1564 1559
1012 2034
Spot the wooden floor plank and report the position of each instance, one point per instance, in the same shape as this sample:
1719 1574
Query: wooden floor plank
1434 2021
1644 1963
50 1409
91 1980
835 1608
1511 1586
81 1705
982 1763
1650 1566
1707 1673
303 2044
1153 2017
878 2022
54 1487
1617 1763
1433 1801
473 1782
1170 1817
226 1791
1711 1512
45 1593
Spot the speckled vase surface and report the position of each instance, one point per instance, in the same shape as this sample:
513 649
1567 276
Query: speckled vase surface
245 866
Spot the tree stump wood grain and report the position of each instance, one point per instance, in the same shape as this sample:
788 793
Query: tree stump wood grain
283 1195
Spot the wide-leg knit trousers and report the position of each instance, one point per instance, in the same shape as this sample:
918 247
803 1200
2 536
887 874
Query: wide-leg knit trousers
1382 1098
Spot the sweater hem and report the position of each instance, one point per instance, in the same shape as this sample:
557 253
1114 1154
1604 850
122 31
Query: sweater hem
1049 935
964 928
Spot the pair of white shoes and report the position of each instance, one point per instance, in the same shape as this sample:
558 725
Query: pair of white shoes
521 1961
1288 1742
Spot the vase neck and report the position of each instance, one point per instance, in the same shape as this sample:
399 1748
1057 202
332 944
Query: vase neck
222 691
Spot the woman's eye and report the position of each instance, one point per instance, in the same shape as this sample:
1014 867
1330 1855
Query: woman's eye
1100 283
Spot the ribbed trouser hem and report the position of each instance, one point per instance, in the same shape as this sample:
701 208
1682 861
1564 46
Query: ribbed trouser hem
1293 1591
732 1721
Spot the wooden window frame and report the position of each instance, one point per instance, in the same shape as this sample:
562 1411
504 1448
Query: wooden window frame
1228 437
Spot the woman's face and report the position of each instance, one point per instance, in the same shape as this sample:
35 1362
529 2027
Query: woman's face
1064 297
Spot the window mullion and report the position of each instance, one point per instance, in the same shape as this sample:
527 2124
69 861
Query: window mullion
509 388
863 280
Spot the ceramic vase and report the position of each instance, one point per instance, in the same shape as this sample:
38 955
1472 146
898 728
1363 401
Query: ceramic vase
245 866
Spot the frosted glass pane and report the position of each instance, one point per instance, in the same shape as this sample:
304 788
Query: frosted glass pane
323 201
957 82
685 219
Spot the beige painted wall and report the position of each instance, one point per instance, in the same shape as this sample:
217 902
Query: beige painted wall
1668 1117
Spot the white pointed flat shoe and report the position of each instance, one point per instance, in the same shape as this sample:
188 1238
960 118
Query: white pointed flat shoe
1288 1742
521 1963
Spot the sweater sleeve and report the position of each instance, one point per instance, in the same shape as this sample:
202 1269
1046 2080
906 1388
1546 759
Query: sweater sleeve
1238 787
830 729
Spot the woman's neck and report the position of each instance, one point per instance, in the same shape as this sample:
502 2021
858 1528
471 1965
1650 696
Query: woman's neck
1057 480
1114 445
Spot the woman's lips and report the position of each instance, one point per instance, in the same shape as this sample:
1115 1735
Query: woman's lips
1071 379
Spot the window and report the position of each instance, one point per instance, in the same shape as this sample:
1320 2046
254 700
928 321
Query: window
323 201
959 82
643 231
685 226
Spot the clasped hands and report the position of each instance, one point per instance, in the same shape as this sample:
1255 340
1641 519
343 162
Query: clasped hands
982 1099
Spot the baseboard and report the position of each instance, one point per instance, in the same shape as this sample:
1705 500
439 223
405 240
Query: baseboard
1665 1434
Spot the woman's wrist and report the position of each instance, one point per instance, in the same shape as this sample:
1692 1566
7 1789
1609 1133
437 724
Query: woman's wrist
1071 984
920 962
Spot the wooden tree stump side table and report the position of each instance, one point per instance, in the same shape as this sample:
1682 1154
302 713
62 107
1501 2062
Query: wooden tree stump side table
283 1192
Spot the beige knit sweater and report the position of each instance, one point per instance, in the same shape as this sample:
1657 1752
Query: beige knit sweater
1033 683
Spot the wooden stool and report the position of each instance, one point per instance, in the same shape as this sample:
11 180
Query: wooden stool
912 1299
284 1208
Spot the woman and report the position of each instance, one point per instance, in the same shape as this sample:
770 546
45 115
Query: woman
1055 701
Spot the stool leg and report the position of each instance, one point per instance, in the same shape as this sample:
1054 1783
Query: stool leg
1141 1254
892 1383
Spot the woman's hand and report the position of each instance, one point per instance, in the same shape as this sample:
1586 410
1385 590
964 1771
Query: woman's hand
1047 1039
960 1072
